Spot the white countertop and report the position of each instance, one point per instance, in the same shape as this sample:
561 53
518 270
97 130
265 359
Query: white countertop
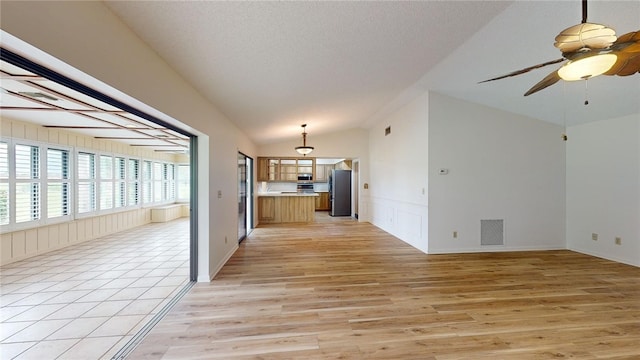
285 193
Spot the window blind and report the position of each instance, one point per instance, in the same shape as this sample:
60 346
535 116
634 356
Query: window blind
86 196
58 183
4 183
27 163
133 185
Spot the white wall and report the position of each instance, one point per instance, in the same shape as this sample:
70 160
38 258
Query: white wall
352 143
603 188
398 167
87 36
501 166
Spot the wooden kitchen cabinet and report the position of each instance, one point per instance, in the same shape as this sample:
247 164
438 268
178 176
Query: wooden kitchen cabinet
268 169
286 208
267 210
322 201
284 169
322 173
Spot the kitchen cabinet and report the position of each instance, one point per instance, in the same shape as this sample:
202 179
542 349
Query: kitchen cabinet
284 169
322 173
267 209
286 208
322 201
268 169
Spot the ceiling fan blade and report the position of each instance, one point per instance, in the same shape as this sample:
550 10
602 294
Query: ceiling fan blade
633 36
627 49
544 83
525 70
627 64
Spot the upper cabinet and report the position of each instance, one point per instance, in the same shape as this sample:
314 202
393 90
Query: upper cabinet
322 172
284 169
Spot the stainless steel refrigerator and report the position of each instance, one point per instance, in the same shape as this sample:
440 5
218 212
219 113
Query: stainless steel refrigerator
340 192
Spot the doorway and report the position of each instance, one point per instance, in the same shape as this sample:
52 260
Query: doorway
356 187
245 196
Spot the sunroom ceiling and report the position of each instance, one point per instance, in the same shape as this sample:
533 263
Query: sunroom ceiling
32 98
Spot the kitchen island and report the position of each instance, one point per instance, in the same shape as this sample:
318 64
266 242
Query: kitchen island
286 207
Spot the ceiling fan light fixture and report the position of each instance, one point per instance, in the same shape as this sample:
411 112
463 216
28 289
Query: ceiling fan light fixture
304 150
585 35
587 67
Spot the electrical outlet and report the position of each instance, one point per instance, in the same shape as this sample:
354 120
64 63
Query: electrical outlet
618 240
455 234
594 236
225 239
219 194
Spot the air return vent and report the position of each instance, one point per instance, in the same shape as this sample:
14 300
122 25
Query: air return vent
492 232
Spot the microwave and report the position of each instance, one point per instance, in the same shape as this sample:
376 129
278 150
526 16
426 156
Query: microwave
305 178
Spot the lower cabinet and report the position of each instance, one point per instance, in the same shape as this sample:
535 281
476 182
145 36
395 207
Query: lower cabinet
266 209
322 201
284 209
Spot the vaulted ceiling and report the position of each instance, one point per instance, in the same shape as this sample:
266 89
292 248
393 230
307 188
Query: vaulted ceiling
271 66
335 65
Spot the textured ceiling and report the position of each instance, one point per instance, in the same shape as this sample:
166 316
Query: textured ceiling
271 66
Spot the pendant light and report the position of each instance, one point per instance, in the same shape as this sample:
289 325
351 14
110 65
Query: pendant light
304 149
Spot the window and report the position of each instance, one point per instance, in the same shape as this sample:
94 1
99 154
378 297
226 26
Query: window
133 182
183 182
58 183
168 182
4 183
120 199
158 176
106 182
27 194
86 194
147 176
38 186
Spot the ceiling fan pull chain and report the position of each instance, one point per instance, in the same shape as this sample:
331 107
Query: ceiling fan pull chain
586 92
564 112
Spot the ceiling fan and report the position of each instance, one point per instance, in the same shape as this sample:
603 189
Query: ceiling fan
590 50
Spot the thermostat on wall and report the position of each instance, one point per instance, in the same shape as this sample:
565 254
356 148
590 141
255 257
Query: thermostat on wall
443 171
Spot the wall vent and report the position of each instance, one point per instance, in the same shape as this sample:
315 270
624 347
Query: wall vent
492 232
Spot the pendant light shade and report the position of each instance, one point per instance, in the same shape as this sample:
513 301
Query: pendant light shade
304 149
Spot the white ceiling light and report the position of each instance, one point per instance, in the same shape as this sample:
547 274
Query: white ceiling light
304 149
587 68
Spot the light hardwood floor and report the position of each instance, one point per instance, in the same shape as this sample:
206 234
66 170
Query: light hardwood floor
338 289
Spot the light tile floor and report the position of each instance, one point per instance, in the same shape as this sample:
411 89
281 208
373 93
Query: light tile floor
87 301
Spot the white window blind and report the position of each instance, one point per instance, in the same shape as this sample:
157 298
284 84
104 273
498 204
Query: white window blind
4 160
27 164
106 182
147 175
157 182
133 182
183 182
58 183
4 183
120 184
4 203
172 181
86 195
